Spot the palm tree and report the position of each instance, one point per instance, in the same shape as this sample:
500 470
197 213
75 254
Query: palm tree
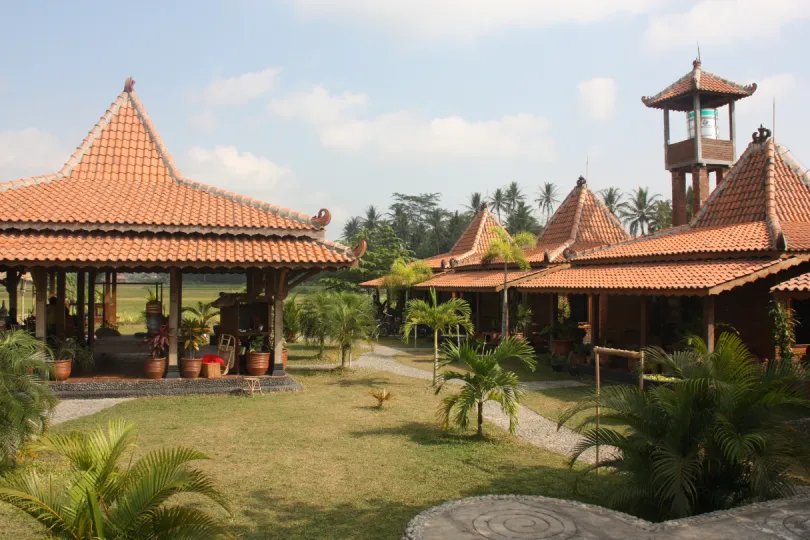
440 317
314 322
716 437
203 312
400 221
25 403
513 196
662 216
372 219
498 202
521 219
350 319
612 198
639 211
351 228
405 275
435 220
508 250
547 199
107 495
486 380
474 203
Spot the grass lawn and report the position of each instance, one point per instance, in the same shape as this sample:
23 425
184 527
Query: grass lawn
326 463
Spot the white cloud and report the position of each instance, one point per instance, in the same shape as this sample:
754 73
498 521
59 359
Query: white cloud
317 106
723 22
465 20
30 152
406 133
242 88
241 172
758 109
205 121
598 97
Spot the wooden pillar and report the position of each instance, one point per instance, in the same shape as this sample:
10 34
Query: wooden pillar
603 313
278 323
593 317
175 283
708 322
91 307
105 299
698 122
478 312
114 298
666 136
80 303
59 316
643 331
40 277
732 129
51 284
12 287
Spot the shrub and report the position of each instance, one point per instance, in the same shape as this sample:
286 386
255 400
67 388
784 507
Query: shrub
382 396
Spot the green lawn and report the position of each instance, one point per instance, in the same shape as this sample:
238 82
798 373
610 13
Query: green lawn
326 463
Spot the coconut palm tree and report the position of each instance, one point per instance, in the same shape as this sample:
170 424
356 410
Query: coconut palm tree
25 403
547 199
405 275
513 196
350 319
508 250
498 202
109 495
638 211
717 436
662 216
521 219
474 202
440 318
486 380
612 198
400 221
351 228
373 218
436 221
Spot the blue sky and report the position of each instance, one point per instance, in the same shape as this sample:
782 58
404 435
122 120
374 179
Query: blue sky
338 103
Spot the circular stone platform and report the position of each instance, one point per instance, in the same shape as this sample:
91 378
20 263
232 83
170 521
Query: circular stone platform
514 517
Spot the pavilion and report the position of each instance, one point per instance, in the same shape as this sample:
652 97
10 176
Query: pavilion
120 204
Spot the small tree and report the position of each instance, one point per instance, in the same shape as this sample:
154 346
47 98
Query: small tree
485 381
315 318
405 275
350 319
508 250
107 495
439 317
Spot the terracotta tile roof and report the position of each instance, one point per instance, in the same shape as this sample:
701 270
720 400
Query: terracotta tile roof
763 205
798 284
673 277
143 249
580 223
473 242
373 283
123 177
698 80
474 280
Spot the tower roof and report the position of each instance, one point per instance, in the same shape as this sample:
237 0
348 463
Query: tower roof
763 205
581 222
715 91
473 242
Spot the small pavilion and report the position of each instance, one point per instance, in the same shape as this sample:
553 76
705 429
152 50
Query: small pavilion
120 204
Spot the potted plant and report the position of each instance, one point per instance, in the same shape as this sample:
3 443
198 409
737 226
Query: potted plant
581 353
194 333
155 366
523 321
64 351
258 357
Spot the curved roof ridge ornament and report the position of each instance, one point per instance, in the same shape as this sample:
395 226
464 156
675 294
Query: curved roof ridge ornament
453 262
761 135
322 218
360 249
129 85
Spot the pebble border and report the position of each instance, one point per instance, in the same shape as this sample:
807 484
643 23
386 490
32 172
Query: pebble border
166 387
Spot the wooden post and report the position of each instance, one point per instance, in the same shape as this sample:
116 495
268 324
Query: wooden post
114 298
593 315
278 323
732 129
698 121
708 322
105 299
478 312
51 284
175 283
641 372
40 277
666 136
643 329
59 316
12 287
91 307
80 290
598 397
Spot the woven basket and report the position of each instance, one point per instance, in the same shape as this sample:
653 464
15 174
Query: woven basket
211 371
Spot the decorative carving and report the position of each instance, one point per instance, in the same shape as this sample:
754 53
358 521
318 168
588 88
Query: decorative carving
323 218
569 253
444 264
546 257
518 521
129 85
581 181
360 249
761 135
453 262
696 63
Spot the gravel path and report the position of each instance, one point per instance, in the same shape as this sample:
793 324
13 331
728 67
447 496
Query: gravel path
69 409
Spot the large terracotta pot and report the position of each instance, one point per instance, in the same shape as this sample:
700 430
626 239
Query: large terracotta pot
61 369
154 368
284 355
562 347
191 368
258 362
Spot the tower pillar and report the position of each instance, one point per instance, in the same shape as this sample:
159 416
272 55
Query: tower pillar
678 198
700 187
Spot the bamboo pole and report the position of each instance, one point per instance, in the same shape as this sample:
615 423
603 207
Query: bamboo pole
598 397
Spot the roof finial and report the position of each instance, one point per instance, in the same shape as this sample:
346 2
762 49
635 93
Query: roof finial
696 63
698 58
761 135
129 85
581 181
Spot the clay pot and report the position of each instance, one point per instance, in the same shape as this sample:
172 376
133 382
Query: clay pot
154 368
284 355
191 368
61 369
562 347
257 363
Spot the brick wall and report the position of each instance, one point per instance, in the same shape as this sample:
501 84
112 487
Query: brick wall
678 198
700 187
